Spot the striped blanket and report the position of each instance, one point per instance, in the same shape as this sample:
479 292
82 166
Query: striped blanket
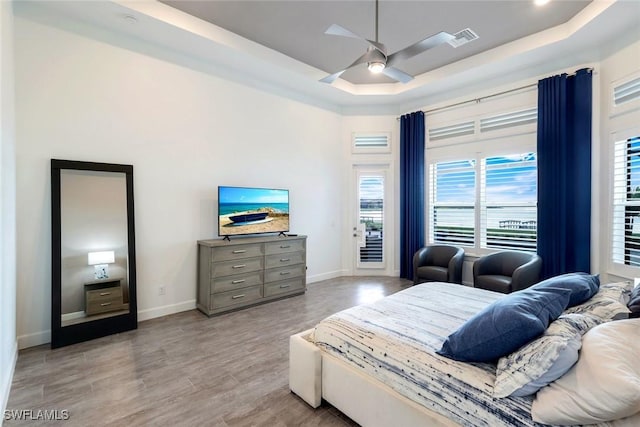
395 339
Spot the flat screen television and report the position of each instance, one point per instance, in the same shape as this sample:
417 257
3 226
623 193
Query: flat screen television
248 210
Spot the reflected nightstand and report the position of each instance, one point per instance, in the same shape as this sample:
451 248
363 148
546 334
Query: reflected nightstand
102 296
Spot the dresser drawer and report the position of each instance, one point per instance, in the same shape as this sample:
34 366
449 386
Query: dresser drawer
277 274
276 288
103 300
237 252
227 268
104 294
237 297
283 260
283 246
236 281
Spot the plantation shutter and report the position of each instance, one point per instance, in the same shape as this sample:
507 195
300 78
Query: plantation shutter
626 202
508 215
452 202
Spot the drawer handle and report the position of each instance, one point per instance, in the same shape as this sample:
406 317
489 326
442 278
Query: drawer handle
239 251
237 296
239 266
102 294
285 246
104 304
285 259
284 273
284 286
235 282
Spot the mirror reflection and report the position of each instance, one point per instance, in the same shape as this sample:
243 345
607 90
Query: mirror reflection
94 250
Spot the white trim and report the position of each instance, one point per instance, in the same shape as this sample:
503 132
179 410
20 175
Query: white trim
73 316
165 310
5 387
327 276
34 339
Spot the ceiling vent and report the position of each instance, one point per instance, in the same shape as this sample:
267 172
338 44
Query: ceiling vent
463 37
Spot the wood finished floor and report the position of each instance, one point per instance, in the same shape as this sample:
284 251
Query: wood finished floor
187 369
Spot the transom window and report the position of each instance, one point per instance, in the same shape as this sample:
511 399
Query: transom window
484 202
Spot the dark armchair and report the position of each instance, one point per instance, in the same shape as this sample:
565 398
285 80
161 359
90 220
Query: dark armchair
438 263
507 271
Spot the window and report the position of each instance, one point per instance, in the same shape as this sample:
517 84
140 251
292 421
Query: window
509 197
487 202
626 202
369 143
452 201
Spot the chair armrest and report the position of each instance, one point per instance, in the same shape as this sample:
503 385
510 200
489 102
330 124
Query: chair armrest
485 265
455 267
527 274
419 259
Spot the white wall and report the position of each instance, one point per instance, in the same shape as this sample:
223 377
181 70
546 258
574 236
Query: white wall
8 346
185 132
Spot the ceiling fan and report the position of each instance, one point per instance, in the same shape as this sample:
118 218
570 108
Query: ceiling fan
376 56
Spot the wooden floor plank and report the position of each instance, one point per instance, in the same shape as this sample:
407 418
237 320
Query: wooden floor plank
188 369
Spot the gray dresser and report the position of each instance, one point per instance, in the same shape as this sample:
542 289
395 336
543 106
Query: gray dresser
247 271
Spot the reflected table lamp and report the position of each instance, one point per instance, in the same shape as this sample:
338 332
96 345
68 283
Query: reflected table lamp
101 261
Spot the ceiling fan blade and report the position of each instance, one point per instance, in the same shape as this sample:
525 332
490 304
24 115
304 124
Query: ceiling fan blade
368 56
337 30
397 75
332 77
419 47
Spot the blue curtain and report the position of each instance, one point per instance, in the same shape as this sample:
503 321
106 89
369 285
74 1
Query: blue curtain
411 189
564 173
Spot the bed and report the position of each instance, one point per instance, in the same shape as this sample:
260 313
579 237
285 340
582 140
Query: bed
378 363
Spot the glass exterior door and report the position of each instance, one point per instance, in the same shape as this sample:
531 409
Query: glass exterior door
369 230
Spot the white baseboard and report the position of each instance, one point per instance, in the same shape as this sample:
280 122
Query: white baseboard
326 276
43 337
34 339
165 310
5 381
73 316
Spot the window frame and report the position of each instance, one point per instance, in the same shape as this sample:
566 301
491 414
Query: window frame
617 268
517 143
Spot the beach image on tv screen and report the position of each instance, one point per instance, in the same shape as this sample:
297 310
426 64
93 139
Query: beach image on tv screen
252 210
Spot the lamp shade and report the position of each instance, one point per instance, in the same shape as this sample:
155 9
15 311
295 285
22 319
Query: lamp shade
104 257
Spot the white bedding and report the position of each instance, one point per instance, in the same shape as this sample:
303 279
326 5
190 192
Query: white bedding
394 340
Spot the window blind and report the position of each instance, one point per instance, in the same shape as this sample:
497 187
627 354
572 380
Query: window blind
626 202
626 92
452 202
508 200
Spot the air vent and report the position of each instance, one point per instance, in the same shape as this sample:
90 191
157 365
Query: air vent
463 37
508 120
460 129
626 92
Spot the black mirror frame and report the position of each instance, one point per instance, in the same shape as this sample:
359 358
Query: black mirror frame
61 336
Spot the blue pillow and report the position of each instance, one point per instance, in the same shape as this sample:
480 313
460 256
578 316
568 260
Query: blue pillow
582 286
505 325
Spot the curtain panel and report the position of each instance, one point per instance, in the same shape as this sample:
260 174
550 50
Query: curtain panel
412 140
564 173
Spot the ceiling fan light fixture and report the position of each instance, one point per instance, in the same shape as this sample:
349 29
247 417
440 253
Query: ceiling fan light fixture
375 67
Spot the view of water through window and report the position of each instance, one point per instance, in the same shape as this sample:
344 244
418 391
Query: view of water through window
506 206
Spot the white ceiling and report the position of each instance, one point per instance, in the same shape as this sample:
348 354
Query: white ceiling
279 46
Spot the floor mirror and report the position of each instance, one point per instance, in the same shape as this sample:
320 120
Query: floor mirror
93 281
